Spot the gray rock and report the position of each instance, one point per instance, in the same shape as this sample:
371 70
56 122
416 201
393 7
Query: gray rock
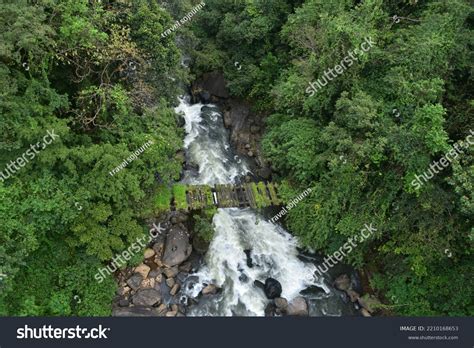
171 272
177 247
298 306
134 312
134 281
154 273
143 270
272 288
312 291
343 282
281 303
180 278
146 297
170 282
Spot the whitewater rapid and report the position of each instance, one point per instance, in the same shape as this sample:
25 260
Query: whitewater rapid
245 246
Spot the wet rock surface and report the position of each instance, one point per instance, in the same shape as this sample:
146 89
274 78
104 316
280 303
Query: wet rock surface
272 288
177 247
146 297
154 287
298 306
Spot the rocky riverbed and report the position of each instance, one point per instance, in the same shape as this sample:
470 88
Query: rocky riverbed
153 288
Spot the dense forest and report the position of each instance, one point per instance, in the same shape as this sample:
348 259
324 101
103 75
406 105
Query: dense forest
104 79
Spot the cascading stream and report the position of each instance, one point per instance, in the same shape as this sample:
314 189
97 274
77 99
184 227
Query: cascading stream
245 247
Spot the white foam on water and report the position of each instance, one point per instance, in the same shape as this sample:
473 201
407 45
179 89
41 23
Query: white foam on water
207 145
273 250
273 254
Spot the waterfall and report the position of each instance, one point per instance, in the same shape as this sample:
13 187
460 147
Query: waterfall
245 246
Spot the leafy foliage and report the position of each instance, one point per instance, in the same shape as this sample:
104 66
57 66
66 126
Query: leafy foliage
97 74
360 141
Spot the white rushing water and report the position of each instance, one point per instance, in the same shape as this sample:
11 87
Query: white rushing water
207 146
272 249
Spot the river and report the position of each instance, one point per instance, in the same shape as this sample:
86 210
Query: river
246 247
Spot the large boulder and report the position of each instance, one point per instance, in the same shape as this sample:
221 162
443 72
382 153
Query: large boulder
214 83
298 306
177 247
272 288
146 297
